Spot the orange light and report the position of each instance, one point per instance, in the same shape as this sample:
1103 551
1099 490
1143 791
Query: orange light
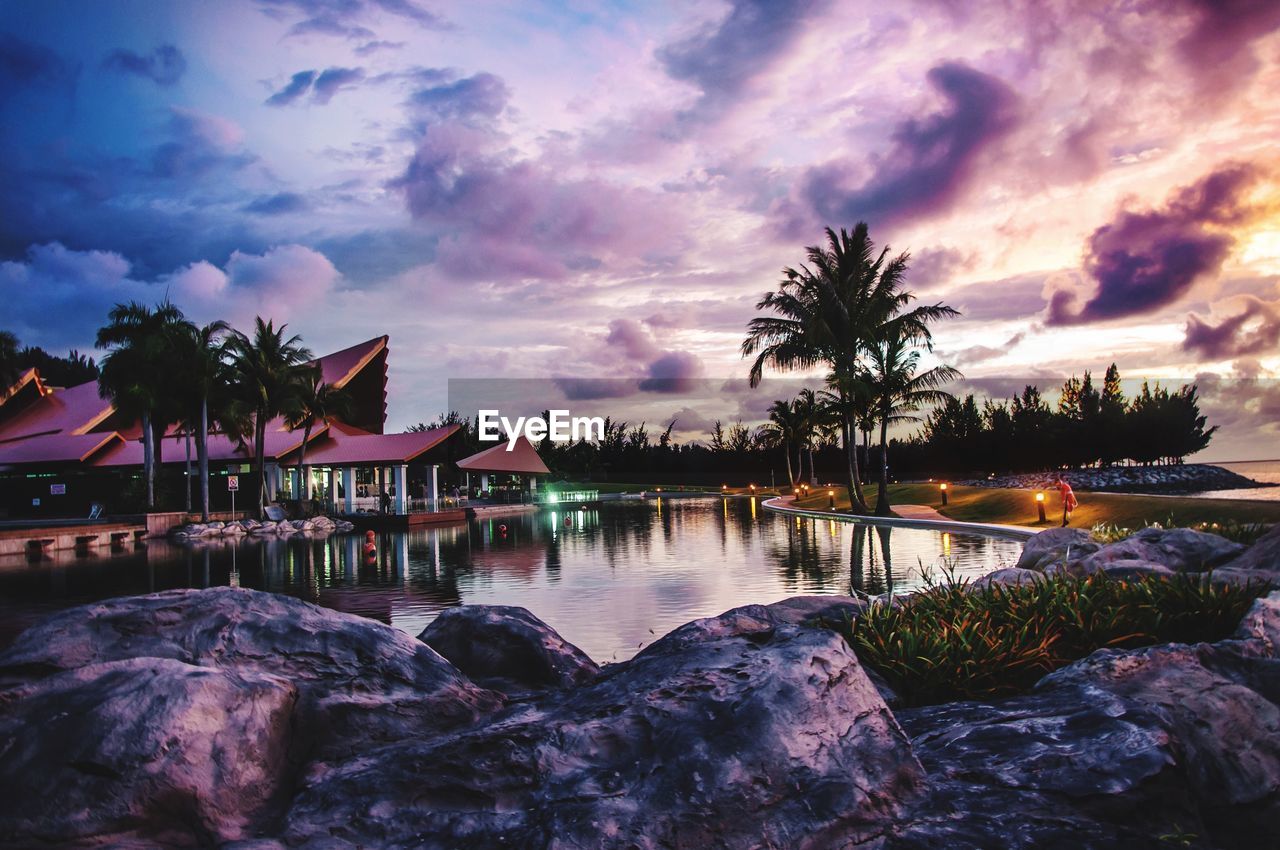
943 486
659 489
831 492
1039 497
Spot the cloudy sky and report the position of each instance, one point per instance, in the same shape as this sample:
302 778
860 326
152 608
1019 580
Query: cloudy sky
589 190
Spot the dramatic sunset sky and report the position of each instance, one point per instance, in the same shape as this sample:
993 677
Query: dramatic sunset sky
588 190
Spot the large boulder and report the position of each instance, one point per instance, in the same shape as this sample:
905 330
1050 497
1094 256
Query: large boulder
147 748
1056 546
1007 577
734 733
507 648
1112 751
1259 563
1179 549
360 681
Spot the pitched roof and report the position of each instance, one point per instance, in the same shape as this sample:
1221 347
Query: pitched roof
522 459
341 366
57 448
221 449
75 410
342 449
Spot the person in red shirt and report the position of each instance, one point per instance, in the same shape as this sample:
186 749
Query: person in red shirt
1069 502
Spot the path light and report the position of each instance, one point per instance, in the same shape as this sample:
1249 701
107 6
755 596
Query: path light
831 496
1040 506
943 488
753 489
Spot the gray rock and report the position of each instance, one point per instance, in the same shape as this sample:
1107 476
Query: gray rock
1259 563
1112 751
150 748
802 610
1124 568
1056 546
1014 576
1180 549
359 681
1262 623
732 733
507 648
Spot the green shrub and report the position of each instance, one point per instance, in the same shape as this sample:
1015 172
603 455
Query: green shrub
1240 532
952 642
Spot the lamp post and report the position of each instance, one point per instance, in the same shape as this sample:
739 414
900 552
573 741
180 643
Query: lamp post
831 499
943 489
1040 506
753 489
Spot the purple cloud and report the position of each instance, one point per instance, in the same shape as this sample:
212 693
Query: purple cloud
298 85
164 66
331 80
592 389
280 203
1255 330
931 162
673 372
1146 260
480 96
722 58
26 65
199 144
339 17
631 338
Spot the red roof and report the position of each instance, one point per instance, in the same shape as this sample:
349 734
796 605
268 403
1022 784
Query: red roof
340 449
221 449
522 459
57 448
75 410
342 366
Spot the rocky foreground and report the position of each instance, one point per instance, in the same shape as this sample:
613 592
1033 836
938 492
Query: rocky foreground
247 720
1168 480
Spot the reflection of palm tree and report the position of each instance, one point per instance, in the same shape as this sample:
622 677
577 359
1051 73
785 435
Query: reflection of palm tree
857 556
883 532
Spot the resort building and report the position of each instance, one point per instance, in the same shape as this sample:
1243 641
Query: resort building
66 452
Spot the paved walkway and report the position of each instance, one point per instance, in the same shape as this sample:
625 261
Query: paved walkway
919 512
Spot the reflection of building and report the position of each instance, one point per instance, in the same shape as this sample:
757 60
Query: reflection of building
63 449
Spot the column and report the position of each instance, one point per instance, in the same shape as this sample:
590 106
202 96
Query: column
401 480
433 488
484 481
348 489
304 490
273 477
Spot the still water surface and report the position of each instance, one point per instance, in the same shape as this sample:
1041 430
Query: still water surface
610 579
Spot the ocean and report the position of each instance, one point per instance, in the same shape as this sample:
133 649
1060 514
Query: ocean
1265 471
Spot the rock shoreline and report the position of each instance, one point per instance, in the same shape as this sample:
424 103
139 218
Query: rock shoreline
235 718
1156 480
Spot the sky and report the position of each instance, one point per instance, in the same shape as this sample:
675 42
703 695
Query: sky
597 194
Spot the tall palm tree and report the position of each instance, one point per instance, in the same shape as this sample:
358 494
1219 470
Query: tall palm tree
829 313
810 414
783 429
9 372
898 391
314 402
267 369
141 344
204 377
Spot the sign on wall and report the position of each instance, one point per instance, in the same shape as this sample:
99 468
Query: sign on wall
233 482
57 489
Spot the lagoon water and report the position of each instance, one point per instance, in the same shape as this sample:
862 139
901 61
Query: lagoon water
1262 471
610 579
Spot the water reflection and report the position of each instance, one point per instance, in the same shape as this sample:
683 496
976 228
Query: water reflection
610 578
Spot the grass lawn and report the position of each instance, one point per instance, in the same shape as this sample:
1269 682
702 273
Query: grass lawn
1018 507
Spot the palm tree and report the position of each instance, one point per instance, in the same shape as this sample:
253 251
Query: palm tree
9 372
314 402
807 408
267 369
135 371
830 315
204 377
898 392
783 429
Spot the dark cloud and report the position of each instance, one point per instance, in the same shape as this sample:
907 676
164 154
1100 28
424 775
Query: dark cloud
1254 330
298 85
371 47
331 80
1218 49
199 144
591 389
1146 260
722 58
931 162
24 65
480 96
164 66
674 372
632 339
690 421
280 203
976 354
933 266
343 18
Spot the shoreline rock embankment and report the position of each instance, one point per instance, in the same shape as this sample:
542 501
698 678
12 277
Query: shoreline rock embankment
1178 479
234 717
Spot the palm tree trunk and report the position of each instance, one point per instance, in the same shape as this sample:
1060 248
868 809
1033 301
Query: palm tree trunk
202 455
304 480
813 473
187 433
786 452
148 459
857 501
882 494
260 456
